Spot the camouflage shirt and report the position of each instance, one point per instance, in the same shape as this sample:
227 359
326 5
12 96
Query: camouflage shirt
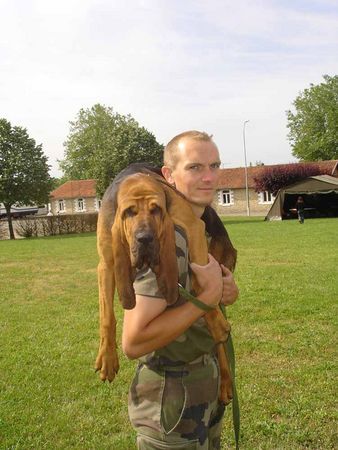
196 340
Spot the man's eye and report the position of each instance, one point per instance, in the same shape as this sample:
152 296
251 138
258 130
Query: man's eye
194 167
215 166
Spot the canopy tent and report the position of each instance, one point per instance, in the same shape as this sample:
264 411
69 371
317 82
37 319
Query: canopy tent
320 194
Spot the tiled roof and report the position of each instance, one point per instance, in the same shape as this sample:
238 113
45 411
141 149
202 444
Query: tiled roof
235 178
229 178
75 189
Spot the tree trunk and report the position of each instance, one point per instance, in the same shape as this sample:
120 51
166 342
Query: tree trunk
10 223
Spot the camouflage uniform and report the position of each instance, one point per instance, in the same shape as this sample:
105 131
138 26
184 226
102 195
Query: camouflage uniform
173 399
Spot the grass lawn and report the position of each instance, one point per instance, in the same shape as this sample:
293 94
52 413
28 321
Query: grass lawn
284 329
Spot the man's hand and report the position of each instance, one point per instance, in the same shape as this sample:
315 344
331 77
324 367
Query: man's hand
210 280
230 289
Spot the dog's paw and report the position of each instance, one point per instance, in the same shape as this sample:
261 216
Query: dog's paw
107 362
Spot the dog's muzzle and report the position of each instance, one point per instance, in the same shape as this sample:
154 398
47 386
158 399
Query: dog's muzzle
145 250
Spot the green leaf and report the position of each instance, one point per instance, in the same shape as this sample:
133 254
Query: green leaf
314 126
102 142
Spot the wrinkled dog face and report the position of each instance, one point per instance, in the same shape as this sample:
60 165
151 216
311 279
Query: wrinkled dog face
142 207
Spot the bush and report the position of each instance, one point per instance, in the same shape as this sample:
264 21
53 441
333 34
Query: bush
27 227
3 229
55 225
274 178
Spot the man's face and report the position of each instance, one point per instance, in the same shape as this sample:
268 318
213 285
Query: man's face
197 171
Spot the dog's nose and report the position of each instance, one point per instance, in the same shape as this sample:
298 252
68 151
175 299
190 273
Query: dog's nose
145 238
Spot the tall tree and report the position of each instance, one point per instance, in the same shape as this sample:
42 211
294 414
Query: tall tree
24 177
101 143
314 126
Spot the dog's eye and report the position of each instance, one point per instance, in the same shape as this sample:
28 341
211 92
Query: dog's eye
155 210
129 212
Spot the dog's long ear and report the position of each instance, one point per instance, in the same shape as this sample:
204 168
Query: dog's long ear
167 271
124 273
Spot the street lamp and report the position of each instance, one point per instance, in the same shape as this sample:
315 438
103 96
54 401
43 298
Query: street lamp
246 173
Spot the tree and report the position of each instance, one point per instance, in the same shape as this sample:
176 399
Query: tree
272 179
314 127
101 143
24 177
56 182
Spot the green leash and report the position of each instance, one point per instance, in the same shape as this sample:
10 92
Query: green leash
229 348
230 351
193 299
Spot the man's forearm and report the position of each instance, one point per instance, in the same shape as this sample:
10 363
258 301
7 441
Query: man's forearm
159 332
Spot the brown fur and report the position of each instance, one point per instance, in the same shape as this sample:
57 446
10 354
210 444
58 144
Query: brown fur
136 228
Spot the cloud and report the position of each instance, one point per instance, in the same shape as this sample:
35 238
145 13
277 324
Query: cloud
172 65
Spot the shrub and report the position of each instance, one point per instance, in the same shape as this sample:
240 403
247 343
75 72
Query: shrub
55 225
27 227
3 229
274 178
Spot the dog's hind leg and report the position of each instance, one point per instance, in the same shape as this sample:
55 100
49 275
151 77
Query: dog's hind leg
218 326
107 359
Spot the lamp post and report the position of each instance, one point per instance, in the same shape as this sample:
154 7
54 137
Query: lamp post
246 173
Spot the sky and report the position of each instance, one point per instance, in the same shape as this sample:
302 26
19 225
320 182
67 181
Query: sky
172 65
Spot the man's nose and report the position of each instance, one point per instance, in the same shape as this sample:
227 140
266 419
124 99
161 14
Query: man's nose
208 175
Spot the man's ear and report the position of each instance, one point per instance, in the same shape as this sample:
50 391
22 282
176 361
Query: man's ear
167 173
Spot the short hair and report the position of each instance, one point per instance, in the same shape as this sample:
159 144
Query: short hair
170 150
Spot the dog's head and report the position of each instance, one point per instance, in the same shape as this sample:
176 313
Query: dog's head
143 236
141 208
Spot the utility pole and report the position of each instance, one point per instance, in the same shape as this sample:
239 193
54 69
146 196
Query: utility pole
246 173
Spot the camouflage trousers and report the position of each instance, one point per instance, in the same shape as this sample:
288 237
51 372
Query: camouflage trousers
176 406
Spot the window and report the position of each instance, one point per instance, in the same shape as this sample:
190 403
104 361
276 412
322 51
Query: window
265 197
226 197
61 206
80 205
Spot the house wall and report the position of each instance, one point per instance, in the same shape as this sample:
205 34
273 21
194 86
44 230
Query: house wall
238 208
90 206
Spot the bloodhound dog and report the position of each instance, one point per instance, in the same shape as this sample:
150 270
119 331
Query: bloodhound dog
136 229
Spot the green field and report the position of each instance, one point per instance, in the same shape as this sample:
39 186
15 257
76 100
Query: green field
284 328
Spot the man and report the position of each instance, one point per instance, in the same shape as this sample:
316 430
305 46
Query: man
300 209
173 401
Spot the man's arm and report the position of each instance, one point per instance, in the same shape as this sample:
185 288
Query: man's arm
150 326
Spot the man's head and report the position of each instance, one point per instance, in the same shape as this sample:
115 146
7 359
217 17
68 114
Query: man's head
191 163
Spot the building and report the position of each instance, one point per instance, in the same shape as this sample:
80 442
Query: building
79 196
231 193
75 197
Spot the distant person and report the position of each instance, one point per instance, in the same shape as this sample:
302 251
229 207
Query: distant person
300 209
